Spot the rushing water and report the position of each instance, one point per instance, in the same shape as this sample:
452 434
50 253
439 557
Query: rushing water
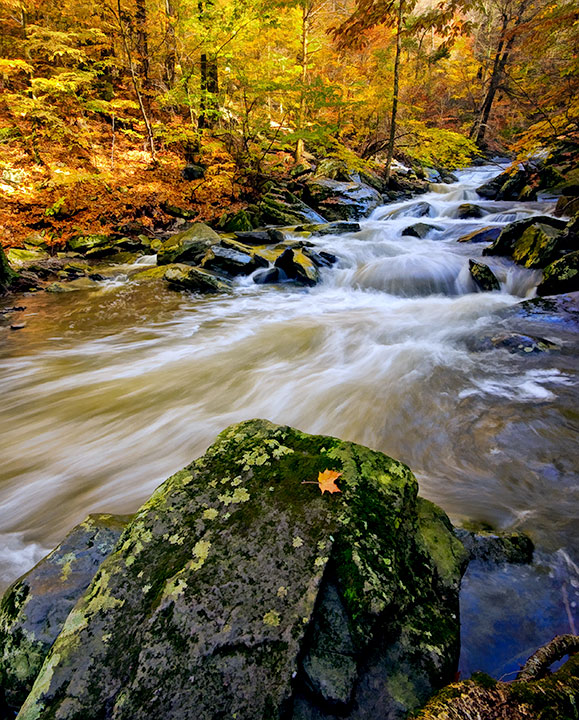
105 393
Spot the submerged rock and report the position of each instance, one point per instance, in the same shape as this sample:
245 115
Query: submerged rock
187 246
34 609
516 343
195 280
483 276
562 276
239 590
496 548
419 230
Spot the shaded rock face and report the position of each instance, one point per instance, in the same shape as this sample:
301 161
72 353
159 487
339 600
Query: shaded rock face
187 246
232 262
295 265
485 235
483 276
7 275
537 246
562 276
338 200
195 280
468 210
496 548
281 207
419 230
34 609
505 186
239 591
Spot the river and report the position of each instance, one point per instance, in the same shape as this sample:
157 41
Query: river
106 393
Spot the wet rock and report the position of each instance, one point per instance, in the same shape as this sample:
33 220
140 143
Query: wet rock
567 205
419 209
419 230
195 280
232 262
7 275
281 207
191 171
468 210
333 228
338 200
297 266
497 548
562 276
483 276
505 186
322 258
487 235
187 246
83 243
505 243
237 222
301 169
538 246
267 277
211 604
260 237
516 343
34 609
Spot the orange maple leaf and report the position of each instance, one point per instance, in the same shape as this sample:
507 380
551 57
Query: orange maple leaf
326 481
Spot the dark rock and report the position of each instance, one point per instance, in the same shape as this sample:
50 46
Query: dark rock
339 200
260 237
419 209
187 246
281 207
561 276
237 222
265 277
334 228
448 177
232 262
505 242
538 246
516 343
567 205
488 234
211 604
34 609
468 210
195 280
300 170
505 186
497 548
193 172
419 230
135 229
321 259
297 266
483 276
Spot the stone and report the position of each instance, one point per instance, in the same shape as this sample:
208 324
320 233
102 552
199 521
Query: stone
488 234
505 242
281 207
468 210
333 228
538 246
516 343
260 237
483 276
567 205
297 266
7 275
561 276
301 169
419 230
232 262
241 221
333 169
236 584
83 243
505 186
338 200
419 209
322 258
187 246
496 548
267 277
191 171
195 280
34 609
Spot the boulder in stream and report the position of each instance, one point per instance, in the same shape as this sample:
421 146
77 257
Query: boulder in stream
506 241
239 590
561 276
7 275
488 234
34 609
338 200
187 246
195 280
468 210
483 276
294 264
419 230
232 261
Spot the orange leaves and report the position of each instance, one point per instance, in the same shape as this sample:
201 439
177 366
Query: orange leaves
326 481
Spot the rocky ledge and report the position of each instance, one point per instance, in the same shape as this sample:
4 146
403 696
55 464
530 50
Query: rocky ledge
240 590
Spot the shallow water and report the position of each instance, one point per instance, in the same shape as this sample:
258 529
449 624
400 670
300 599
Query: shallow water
105 393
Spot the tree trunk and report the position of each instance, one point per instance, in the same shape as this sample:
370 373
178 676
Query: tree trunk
394 113
171 57
142 43
304 76
209 91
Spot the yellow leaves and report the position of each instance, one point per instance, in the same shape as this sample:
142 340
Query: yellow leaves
326 481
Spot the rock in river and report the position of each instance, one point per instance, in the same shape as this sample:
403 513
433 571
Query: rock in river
239 590
187 246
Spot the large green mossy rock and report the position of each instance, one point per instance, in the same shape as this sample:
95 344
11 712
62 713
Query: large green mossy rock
7 275
537 246
34 609
241 591
506 241
195 280
187 246
484 278
562 276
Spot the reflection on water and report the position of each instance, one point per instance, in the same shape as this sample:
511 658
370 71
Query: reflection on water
105 393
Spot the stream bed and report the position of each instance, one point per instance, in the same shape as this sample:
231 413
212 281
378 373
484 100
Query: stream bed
107 392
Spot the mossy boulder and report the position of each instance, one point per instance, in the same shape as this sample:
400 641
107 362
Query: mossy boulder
538 246
239 590
506 186
561 276
187 246
484 278
7 275
195 280
240 221
506 241
34 609
279 206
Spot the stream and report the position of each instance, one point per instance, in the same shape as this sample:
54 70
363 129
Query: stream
107 392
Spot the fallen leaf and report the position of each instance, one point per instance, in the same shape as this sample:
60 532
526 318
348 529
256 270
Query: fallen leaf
327 481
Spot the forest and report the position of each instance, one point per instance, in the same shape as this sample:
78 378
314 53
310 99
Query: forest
100 98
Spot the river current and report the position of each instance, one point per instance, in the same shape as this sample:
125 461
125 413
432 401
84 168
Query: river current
107 392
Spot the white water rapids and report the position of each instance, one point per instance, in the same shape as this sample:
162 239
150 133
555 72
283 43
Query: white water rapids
106 393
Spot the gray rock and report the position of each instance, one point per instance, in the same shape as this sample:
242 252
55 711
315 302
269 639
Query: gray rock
516 343
195 280
468 210
419 230
339 200
488 234
232 262
187 246
497 548
211 605
333 228
34 609
419 209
